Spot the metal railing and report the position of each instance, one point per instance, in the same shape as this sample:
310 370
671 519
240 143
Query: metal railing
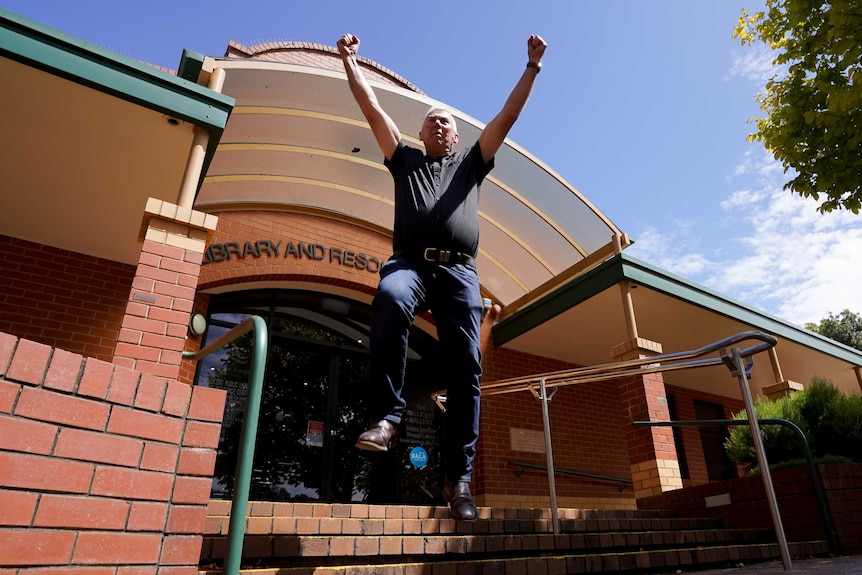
248 437
739 361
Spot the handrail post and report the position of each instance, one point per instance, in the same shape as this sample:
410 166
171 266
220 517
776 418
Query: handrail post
248 437
549 453
759 450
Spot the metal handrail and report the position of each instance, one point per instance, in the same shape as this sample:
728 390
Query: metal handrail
248 437
608 478
641 366
738 361
806 452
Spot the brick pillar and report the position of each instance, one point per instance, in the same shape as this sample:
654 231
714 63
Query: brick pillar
652 451
157 315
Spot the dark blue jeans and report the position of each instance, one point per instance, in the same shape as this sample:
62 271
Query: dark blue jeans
451 293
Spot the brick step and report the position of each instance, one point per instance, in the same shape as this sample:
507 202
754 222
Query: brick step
353 549
549 563
365 511
317 519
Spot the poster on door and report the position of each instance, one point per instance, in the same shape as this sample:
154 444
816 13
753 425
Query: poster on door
314 434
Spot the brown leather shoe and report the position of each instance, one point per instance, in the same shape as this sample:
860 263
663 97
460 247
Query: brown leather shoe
462 507
379 437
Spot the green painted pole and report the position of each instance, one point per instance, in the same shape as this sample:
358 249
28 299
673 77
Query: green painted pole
248 438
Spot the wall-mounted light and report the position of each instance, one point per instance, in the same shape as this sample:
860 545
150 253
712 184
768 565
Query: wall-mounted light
197 324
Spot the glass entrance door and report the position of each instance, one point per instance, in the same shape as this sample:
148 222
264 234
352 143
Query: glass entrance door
310 416
314 404
311 411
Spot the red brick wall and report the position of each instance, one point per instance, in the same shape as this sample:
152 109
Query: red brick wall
155 327
101 467
62 299
587 431
587 436
842 489
842 486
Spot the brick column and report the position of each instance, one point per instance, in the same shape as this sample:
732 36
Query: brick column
652 451
157 315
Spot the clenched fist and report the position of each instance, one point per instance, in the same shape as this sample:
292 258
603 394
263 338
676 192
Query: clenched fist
535 48
348 45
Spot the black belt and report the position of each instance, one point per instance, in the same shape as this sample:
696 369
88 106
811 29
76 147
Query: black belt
440 256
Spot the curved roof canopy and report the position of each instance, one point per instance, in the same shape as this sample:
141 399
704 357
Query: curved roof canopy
297 141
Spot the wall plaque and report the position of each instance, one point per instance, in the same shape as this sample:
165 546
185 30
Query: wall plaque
527 440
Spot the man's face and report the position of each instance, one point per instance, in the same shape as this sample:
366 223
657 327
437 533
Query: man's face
439 133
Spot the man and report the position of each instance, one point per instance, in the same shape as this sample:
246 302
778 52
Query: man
435 242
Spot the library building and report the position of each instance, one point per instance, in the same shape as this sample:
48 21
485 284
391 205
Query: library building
148 212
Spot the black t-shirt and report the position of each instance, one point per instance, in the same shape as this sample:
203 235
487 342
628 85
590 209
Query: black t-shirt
437 201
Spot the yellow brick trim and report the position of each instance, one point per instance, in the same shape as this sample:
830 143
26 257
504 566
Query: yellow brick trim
179 221
636 348
172 212
782 388
155 236
656 476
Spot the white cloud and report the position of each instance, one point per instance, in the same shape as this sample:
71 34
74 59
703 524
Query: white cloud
741 198
672 248
754 63
785 258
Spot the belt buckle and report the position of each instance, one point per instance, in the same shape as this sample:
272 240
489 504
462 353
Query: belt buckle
442 255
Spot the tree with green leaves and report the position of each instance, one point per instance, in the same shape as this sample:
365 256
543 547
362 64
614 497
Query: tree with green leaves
830 420
845 328
813 105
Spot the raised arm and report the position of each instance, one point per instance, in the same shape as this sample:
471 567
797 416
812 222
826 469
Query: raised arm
384 129
497 129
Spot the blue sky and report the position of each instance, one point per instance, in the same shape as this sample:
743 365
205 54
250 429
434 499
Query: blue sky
641 105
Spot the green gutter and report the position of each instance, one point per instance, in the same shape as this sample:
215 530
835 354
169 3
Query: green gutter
622 267
59 54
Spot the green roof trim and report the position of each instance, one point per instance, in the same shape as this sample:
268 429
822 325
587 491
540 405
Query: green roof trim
54 52
622 267
191 64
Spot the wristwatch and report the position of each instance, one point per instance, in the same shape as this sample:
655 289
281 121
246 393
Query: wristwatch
536 65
